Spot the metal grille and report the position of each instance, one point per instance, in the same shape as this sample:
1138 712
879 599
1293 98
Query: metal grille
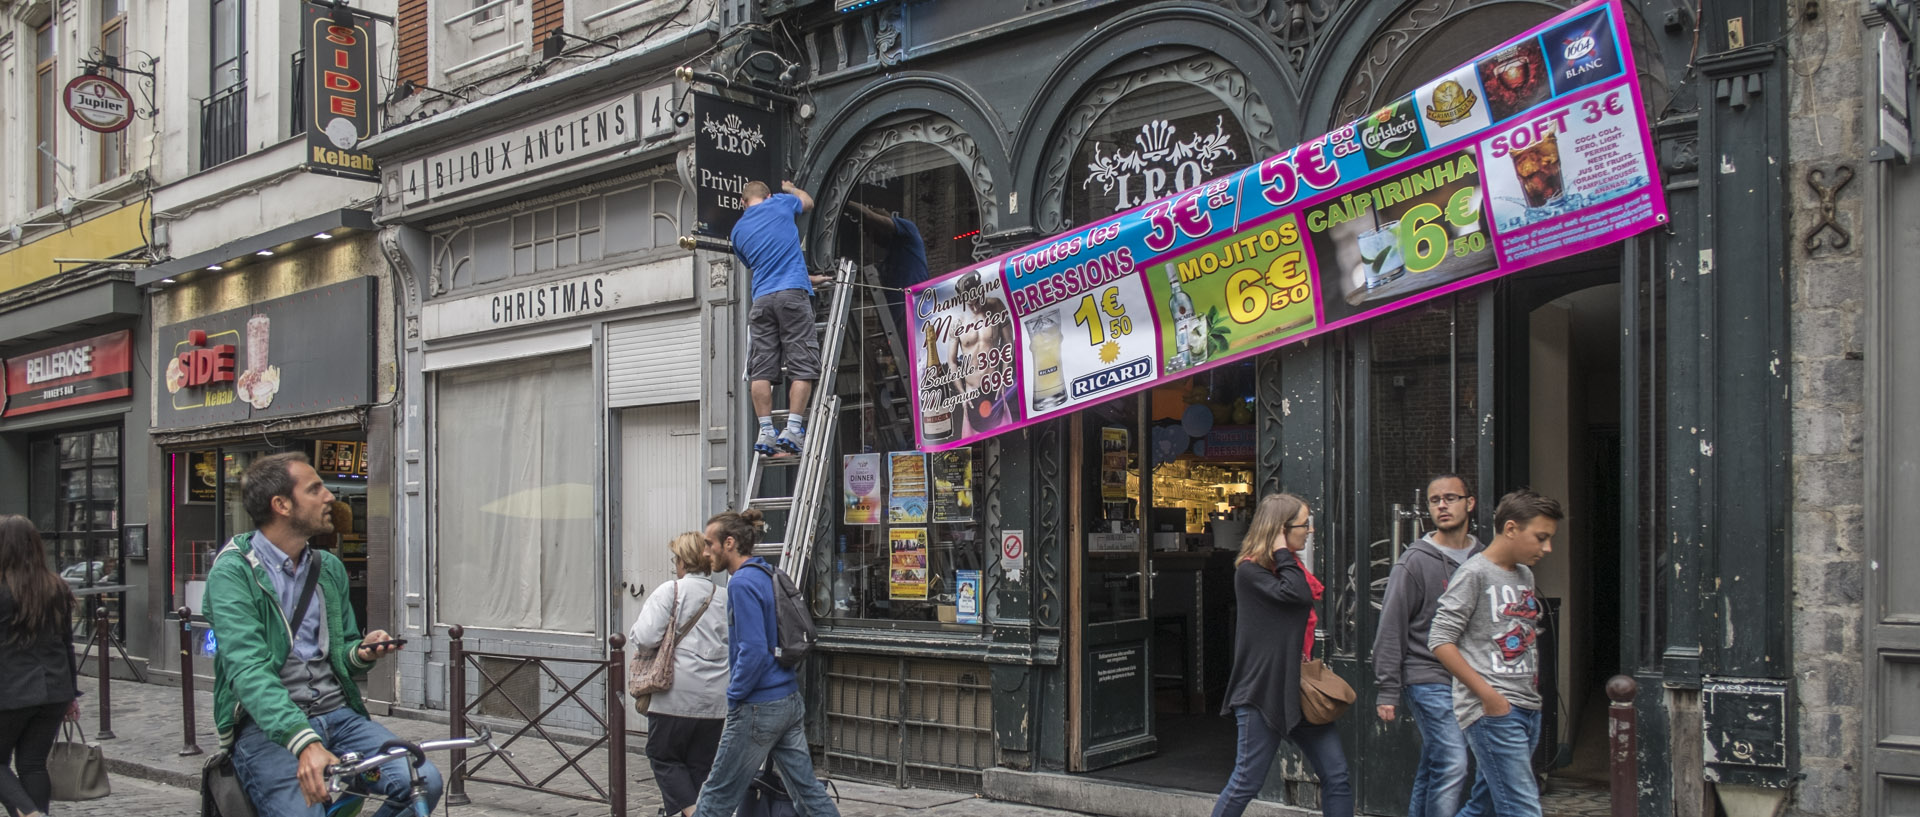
520 688
223 126
909 722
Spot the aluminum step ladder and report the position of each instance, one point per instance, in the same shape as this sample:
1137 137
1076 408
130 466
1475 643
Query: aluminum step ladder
793 542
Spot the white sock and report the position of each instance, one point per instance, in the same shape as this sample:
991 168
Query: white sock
766 426
797 422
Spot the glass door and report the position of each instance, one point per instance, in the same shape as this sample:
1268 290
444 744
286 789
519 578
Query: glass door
1112 691
76 506
1417 380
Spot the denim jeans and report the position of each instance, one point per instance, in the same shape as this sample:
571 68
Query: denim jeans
271 774
1253 757
1503 749
753 733
1442 780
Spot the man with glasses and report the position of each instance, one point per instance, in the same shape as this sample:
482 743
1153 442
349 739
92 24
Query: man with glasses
1403 665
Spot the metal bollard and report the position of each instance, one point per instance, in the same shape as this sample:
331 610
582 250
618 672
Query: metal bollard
188 746
100 635
617 724
456 791
1623 749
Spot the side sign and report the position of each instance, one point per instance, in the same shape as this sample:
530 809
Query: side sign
341 109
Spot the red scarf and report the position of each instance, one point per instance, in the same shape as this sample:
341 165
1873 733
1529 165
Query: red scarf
1317 588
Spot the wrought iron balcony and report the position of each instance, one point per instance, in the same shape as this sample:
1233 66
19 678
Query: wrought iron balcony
223 126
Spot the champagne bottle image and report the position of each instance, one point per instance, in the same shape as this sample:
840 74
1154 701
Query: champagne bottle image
936 396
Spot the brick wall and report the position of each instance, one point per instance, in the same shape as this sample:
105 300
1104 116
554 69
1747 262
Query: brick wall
412 42
1828 528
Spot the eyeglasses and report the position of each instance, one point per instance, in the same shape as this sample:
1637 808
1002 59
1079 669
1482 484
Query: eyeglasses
1307 524
1444 499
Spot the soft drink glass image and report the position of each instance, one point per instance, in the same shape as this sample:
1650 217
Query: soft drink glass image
1538 166
1380 251
1043 343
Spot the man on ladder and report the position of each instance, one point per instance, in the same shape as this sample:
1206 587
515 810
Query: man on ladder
780 325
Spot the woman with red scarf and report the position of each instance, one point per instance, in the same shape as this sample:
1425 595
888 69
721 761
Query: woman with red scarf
1274 593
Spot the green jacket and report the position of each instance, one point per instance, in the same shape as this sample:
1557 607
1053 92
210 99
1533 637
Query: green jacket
253 640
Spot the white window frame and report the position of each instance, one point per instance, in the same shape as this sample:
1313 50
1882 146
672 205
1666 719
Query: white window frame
595 19
457 26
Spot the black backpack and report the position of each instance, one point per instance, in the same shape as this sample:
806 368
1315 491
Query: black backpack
792 619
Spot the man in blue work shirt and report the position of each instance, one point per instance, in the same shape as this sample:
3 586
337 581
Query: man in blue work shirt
765 714
780 324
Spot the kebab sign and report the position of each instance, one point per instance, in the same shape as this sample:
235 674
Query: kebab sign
1536 150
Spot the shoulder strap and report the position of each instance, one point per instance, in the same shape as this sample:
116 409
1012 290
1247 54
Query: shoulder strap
306 594
688 627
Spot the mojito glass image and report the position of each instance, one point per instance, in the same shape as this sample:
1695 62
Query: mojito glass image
1043 343
1380 251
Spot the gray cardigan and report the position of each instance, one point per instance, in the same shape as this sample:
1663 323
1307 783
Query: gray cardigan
1268 640
1400 653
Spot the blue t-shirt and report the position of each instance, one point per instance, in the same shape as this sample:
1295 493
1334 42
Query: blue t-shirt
766 238
906 255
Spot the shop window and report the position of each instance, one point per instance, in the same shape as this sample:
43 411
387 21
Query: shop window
76 506
911 539
632 218
516 537
1155 141
113 46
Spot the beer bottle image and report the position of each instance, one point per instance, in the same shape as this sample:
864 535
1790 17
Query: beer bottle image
1043 343
936 398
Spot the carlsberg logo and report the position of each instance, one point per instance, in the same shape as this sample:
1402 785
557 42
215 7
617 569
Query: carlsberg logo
1394 133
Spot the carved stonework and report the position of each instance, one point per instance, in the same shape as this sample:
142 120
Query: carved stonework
937 131
1269 415
1399 40
1680 156
1050 516
888 37
1208 73
1295 24
403 274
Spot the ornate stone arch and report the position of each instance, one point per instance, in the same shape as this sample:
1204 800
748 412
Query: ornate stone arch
923 127
1379 74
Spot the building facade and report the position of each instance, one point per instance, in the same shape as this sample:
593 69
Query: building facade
74 232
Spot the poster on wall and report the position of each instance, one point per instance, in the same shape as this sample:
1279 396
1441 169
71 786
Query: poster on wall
1536 150
1113 463
966 596
860 489
906 488
202 476
953 487
907 564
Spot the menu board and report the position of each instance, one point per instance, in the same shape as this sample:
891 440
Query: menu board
1535 150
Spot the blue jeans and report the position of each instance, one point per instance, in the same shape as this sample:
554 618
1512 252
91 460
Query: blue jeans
1503 749
1253 756
753 733
1442 779
271 774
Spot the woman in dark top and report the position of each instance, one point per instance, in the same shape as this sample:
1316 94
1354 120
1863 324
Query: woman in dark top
38 681
1274 594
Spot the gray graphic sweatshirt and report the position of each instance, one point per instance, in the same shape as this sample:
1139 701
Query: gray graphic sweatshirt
1493 616
1400 654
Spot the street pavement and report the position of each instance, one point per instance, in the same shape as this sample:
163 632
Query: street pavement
151 778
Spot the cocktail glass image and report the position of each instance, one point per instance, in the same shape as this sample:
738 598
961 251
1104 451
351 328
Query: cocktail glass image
1043 343
1538 166
1380 252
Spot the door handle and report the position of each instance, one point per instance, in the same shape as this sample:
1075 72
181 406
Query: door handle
635 590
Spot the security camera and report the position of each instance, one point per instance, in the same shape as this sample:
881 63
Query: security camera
681 118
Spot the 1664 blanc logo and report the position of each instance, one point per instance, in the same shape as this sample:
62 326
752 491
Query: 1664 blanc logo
731 136
1579 48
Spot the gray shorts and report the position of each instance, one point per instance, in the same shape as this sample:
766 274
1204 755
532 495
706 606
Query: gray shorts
780 330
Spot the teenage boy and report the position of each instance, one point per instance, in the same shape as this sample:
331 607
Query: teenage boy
1484 635
765 714
780 322
1403 666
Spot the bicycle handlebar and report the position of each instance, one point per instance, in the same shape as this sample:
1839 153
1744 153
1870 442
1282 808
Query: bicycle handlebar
352 765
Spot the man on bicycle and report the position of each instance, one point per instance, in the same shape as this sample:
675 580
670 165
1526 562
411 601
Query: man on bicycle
284 700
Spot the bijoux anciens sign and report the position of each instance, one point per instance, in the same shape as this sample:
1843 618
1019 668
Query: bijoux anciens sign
598 128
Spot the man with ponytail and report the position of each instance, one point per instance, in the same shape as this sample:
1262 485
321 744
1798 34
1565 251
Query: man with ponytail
765 714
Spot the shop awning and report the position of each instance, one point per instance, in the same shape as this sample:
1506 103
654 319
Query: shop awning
239 253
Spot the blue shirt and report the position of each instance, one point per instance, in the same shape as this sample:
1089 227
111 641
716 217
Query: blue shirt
288 578
906 255
767 239
752 633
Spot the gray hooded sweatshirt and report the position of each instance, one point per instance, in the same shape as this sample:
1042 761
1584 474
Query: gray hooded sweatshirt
1400 653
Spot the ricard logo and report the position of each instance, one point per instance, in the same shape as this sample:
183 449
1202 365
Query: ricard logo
1579 48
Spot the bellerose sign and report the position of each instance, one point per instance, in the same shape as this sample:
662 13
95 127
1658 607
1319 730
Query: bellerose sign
1534 151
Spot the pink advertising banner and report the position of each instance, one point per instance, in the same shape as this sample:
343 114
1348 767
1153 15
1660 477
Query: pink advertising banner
1536 150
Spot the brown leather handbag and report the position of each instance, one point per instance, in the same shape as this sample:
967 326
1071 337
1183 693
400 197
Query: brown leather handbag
1324 695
